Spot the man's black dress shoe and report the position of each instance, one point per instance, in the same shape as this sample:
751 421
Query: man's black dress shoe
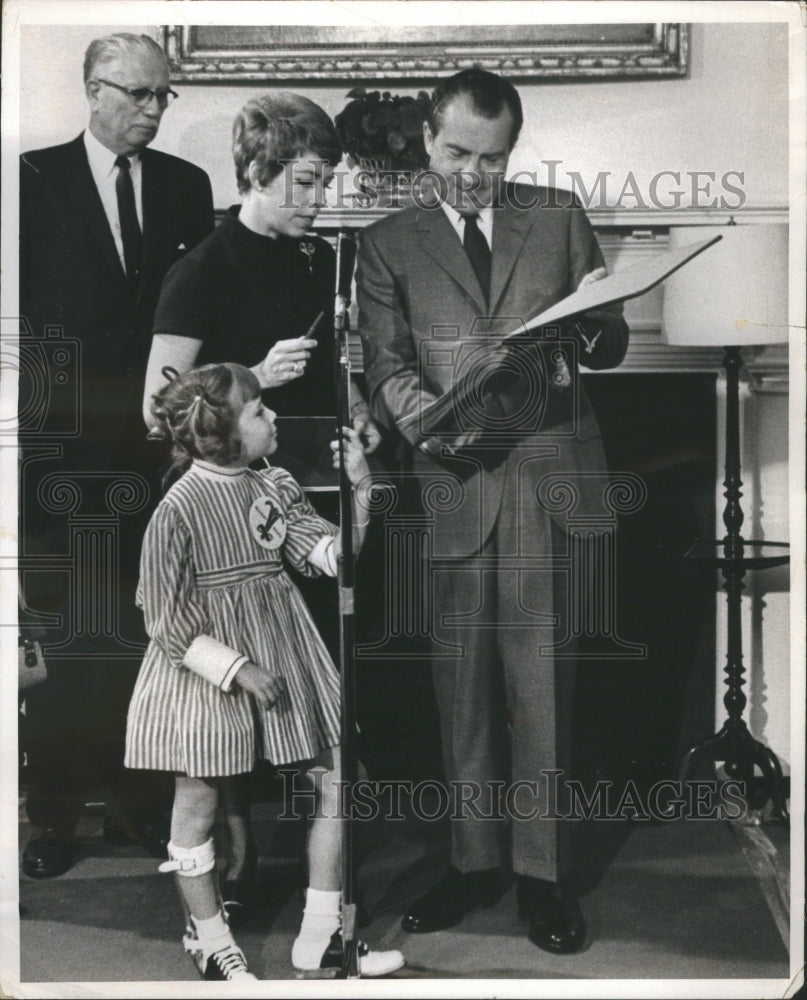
48 853
556 922
447 902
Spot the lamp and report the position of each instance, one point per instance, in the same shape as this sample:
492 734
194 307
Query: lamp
734 295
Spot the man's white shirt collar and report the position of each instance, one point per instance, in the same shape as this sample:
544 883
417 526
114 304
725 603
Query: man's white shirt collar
105 174
485 222
101 159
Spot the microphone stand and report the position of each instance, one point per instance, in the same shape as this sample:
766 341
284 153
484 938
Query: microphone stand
345 258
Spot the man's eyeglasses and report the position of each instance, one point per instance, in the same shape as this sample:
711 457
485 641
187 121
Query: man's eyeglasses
142 95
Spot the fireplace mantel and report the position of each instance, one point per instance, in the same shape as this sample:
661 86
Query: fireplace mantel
652 219
628 237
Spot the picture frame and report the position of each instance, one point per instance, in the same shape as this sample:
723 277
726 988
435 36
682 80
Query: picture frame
199 53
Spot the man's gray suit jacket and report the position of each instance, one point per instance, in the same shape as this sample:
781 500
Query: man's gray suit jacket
423 321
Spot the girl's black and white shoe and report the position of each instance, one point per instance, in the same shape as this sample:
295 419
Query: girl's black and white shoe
218 959
371 963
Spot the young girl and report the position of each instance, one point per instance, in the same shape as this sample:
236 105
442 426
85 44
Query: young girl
251 293
235 666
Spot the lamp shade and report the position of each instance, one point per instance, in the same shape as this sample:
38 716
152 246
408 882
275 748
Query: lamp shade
734 293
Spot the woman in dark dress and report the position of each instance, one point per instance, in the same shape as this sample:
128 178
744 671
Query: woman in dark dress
260 291
252 290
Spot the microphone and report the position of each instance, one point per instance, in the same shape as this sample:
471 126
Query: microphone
345 261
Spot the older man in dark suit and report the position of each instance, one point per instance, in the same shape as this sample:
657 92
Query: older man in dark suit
437 283
102 219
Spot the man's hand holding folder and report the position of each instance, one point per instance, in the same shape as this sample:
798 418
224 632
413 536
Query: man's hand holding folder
573 318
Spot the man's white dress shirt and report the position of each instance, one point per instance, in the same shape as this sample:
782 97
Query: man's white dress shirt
484 222
105 174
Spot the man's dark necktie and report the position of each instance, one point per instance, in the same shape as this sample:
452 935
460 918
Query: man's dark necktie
476 246
131 237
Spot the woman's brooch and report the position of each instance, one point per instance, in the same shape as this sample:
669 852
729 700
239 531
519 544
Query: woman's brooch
309 249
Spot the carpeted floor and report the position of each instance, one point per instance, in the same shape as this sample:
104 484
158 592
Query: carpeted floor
679 900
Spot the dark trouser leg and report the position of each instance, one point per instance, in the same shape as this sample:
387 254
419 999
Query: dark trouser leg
76 721
540 691
60 765
141 800
470 698
505 704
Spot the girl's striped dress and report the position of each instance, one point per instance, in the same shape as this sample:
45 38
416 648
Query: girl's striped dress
212 564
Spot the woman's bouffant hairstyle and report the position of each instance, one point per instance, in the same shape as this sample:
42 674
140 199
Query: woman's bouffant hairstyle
195 412
279 127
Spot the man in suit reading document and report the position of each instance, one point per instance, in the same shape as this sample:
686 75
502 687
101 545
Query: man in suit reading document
438 285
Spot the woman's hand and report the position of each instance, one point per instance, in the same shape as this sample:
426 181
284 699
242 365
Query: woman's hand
284 362
356 465
266 688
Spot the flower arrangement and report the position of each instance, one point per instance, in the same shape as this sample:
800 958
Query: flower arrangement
383 132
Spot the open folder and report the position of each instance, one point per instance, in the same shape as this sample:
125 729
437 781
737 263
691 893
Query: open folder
440 417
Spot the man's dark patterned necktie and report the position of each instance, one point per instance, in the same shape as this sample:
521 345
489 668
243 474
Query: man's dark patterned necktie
131 237
476 246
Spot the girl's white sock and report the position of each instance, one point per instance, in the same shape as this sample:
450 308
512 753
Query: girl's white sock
212 927
322 916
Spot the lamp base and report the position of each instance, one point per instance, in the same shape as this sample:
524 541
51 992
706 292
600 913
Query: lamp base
739 751
734 744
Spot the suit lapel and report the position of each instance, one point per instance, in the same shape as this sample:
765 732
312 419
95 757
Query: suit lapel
88 202
510 229
155 213
439 240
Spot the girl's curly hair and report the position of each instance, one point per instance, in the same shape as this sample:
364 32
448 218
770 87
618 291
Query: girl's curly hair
198 411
